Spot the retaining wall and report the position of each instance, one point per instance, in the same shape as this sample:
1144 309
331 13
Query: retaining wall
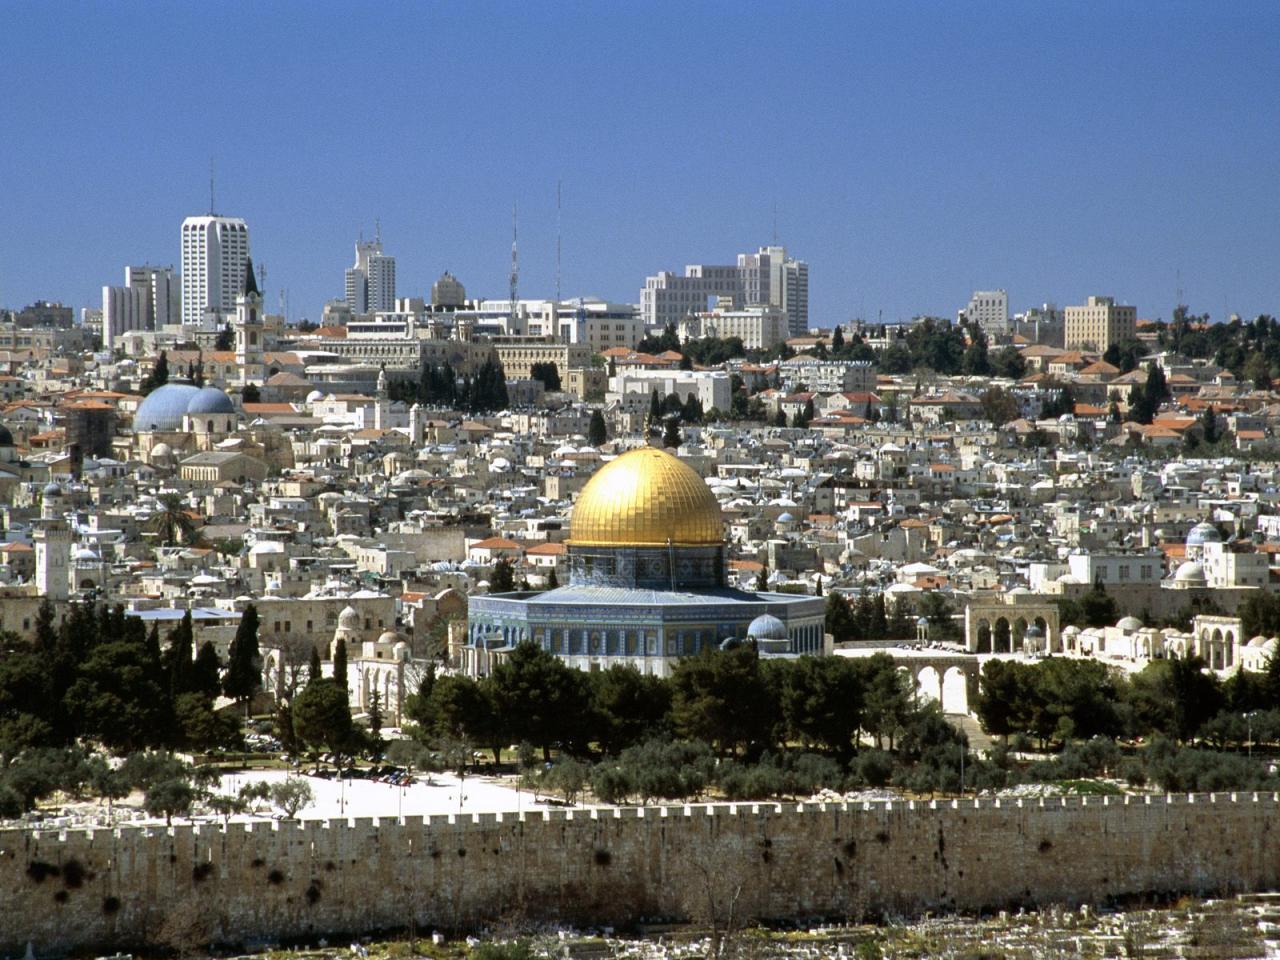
106 888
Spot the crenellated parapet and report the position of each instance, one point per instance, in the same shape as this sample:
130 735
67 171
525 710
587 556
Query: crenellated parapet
113 888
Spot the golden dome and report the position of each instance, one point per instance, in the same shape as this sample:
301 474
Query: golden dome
646 498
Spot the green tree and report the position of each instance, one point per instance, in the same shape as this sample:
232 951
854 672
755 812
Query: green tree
244 677
1209 424
999 406
1098 608
839 619
172 521
628 706
340 664
597 433
169 798
158 376
322 718
886 698
250 394
671 436
821 702
548 373
207 672
291 795
541 699
720 696
503 579
1009 363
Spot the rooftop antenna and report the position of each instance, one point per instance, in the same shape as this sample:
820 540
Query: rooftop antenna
775 223
1178 291
377 231
557 241
212 206
515 268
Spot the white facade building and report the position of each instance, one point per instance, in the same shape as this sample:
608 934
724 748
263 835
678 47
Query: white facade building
214 253
634 387
759 328
989 309
767 277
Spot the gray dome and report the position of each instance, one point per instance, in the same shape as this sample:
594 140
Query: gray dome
164 407
1035 632
1203 533
51 489
211 400
767 627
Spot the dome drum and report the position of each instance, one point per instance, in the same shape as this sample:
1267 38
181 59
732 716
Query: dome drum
649 568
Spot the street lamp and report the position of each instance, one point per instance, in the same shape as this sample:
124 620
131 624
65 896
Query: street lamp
1248 719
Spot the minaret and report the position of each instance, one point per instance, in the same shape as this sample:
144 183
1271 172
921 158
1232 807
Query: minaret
417 427
381 405
53 547
249 330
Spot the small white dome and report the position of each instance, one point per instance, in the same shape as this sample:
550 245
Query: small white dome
1129 624
1190 572
349 619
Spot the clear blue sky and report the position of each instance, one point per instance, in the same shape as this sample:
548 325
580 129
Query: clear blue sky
913 151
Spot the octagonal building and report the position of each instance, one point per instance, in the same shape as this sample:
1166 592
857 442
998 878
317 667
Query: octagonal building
647 586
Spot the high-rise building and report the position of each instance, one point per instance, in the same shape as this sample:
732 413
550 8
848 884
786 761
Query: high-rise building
1100 323
371 282
162 292
123 309
214 252
767 277
448 291
989 309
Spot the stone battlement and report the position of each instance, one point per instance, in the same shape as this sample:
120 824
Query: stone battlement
660 811
119 887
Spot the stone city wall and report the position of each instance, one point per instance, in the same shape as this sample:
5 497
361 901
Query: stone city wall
104 888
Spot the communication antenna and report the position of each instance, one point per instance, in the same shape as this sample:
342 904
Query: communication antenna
515 268
775 223
212 206
377 231
1178 291
262 276
557 242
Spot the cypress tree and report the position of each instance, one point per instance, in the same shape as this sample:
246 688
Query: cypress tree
180 659
206 675
340 663
314 670
242 679
597 432
671 436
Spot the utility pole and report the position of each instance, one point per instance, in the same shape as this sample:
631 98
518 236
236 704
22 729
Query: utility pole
515 269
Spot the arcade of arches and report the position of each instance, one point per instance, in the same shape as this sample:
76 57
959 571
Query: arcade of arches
1005 626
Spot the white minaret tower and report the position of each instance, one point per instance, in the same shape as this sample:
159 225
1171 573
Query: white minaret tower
381 405
417 426
249 330
53 547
